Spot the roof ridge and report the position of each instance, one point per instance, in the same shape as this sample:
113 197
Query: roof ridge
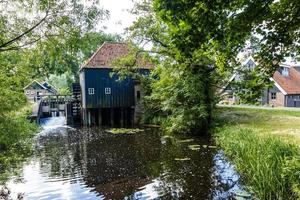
95 53
33 82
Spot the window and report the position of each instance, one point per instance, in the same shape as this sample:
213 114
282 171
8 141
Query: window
107 90
91 91
285 71
27 92
273 95
32 92
230 96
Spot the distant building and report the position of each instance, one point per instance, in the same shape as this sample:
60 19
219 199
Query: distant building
286 90
105 100
35 90
284 93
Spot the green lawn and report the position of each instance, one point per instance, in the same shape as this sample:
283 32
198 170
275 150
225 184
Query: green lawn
283 123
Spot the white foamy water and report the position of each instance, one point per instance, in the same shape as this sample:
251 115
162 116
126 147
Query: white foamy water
54 126
53 122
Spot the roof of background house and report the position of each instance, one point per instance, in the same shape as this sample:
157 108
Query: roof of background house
108 52
291 83
49 87
43 85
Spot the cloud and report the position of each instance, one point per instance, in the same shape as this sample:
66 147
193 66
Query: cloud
120 18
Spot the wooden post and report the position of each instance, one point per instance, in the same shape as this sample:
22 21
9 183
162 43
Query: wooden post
132 117
89 118
99 117
83 116
112 117
122 117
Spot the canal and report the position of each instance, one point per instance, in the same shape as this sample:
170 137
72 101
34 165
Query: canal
92 163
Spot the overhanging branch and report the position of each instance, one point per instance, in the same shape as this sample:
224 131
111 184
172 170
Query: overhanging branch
2 46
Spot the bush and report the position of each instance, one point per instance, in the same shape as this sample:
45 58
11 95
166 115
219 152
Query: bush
15 138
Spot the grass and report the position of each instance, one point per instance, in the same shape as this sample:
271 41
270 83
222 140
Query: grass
264 145
284 123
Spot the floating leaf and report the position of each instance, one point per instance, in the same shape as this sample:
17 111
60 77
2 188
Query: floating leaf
167 136
241 194
186 141
212 147
124 131
194 147
182 159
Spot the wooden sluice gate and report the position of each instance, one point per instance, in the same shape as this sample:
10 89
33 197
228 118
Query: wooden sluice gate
55 106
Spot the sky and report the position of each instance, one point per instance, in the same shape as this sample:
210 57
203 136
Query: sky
120 18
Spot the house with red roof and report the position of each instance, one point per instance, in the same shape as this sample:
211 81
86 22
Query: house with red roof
284 93
286 90
105 99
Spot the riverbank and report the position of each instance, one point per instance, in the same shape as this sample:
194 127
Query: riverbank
264 146
15 138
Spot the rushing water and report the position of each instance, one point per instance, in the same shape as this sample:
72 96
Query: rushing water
90 163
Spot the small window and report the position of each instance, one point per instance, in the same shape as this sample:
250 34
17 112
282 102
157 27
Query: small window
27 92
32 92
91 91
230 96
285 71
273 95
107 90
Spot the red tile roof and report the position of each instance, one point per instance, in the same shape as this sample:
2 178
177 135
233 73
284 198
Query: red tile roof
291 83
108 52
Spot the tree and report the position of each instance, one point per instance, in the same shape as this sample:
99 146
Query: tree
37 38
198 43
23 23
41 37
61 55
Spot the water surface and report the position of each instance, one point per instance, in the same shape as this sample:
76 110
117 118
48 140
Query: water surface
90 163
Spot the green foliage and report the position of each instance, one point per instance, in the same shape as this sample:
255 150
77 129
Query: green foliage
38 38
251 86
182 85
15 139
13 77
197 39
61 82
65 54
173 96
27 22
14 131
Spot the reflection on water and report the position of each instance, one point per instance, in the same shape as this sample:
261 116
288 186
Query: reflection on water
89 163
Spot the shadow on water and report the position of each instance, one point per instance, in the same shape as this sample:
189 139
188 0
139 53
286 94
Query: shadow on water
89 163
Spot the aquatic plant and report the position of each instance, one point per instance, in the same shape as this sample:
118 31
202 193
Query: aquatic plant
124 130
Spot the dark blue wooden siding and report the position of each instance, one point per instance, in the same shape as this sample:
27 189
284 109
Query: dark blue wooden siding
122 93
292 100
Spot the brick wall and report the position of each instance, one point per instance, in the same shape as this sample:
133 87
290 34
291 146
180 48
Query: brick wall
279 101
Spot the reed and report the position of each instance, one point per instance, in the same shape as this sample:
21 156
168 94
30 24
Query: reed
269 163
